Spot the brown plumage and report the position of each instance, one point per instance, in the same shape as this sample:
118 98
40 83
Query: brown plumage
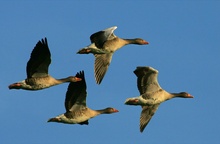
37 70
151 94
103 45
75 103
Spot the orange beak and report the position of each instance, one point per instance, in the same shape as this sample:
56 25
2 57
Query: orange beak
115 110
190 96
145 42
78 79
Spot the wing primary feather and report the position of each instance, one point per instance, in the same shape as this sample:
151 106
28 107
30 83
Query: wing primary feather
39 61
146 115
76 92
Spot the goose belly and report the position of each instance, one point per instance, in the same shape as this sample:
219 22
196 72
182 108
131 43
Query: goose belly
74 120
40 83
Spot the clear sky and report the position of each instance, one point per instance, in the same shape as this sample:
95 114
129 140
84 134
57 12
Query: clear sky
184 47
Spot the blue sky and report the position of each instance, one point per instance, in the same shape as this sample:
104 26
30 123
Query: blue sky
184 47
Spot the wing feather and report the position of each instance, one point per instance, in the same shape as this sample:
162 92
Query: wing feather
39 61
102 61
146 115
100 37
76 93
147 80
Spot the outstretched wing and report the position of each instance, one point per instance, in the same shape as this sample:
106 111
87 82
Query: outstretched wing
76 93
146 115
99 38
147 83
102 61
147 80
39 62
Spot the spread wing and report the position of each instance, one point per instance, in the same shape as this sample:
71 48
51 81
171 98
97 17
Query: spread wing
147 83
76 93
146 115
102 62
147 80
39 62
99 38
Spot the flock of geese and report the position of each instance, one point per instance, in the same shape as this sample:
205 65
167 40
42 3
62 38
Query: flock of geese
103 45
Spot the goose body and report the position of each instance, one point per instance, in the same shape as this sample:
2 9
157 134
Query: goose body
37 70
151 94
75 103
103 45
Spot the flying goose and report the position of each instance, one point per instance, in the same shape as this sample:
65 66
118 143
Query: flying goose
151 94
75 103
103 45
37 70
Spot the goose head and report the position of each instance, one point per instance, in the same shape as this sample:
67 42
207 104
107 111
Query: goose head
182 95
73 79
109 110
133 101
56 119
15 86
140 41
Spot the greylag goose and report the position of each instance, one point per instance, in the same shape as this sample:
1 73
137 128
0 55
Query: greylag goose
103 45
75 103
37 70
151 94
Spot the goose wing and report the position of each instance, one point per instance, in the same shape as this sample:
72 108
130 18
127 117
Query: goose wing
99 38
146 115
101 65
147 84
147 80
76 94
39 62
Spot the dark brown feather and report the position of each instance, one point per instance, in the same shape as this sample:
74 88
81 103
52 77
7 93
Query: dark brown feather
39 61
76 92
98 38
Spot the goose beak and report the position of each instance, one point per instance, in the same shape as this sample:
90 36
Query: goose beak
78 79
115 110
145 42
15 86
189 96
84 51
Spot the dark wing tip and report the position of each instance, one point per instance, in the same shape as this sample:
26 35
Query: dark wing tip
40 58
99 79
75 90
139 70
141 130
143 70
146 114
42 46
81 83
80 75
143 123
42 42
142 127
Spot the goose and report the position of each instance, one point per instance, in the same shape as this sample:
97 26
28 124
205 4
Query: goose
151 94
75 103
37 70
103 45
